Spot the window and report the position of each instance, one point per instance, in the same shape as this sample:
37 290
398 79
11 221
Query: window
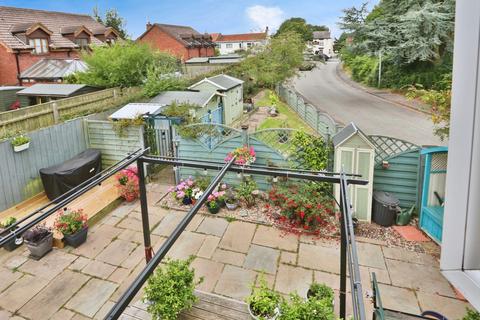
249 44
240 45
40 46
229 46
82 43
110 40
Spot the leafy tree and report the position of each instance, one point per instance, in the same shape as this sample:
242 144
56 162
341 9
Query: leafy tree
300 26
112 19
122 64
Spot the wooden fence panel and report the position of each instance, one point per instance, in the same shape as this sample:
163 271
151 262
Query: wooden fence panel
19 176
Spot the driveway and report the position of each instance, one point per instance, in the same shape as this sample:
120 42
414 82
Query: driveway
329 93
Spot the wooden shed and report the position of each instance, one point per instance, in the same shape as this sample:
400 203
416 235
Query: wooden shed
355 153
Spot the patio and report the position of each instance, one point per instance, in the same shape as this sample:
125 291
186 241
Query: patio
84 283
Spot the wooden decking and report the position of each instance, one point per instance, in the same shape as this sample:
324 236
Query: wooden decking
208 307
92 202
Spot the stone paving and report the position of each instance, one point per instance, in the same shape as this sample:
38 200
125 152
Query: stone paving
84 283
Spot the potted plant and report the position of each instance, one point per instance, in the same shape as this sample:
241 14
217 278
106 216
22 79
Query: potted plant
39 241
73 225
20 142
183 192
244 156
245 191
213 201
264 303
231 200
128 184
321 291
15 242
170 290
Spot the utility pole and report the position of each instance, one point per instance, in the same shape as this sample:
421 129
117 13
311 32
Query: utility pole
379 67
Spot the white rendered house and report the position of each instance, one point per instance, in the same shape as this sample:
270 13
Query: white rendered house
230 43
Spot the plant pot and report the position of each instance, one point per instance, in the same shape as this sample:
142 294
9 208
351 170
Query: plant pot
231 206
12 244
40 248
255 317
77 238
129 197
213 210
187 201
21 147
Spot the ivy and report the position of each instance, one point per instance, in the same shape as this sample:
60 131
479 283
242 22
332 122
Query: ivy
311 152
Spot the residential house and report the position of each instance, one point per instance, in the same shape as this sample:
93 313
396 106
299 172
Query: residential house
182 41
230 43
322 43
232 94
44 46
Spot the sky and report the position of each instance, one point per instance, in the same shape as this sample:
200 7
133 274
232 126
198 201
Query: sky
225 16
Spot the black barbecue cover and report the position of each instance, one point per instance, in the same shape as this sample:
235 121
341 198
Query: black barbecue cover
63 177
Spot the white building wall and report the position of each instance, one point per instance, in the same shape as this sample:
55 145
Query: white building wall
231 47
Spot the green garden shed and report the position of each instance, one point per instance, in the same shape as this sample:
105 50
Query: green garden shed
355 153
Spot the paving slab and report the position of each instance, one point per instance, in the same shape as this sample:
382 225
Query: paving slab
119 275
91 297
399 299
187 244
48 301
168 224
4 315
131 235
235 282
15 261
275 238
195 222
7 277
370 255
213 226
382 275
50 265
290 279
21 292
229 257
98 269
450 308
128 281
124 209
263 259
269 279
107 306
411 233
419 277
79 263
409 256
116 252
134 258
208 247
330 279
209 270
288 257
323 258
238 236
63 314
97 241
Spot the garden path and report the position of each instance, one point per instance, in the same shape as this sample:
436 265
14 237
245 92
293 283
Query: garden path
84 283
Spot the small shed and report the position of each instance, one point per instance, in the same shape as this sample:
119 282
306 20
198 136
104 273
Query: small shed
9 99
355 153
232 94
433 191
45 92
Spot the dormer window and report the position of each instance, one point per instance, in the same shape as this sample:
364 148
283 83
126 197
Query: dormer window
82 42
40 46
79 35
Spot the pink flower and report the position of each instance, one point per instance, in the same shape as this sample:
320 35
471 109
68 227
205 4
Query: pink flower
180 195
211 198
189 183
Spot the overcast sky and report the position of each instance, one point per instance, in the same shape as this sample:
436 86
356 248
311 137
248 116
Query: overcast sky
225 16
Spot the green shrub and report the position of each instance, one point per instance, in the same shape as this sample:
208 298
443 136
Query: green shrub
245 191
170 290
312 309
8 222
471 315
19 140
321 291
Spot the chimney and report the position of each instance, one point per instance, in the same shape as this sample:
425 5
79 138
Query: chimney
266 30
149 25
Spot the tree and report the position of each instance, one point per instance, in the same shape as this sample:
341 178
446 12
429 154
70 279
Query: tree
122 64
300 26
112 19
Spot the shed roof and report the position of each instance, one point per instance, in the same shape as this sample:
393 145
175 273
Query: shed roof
347 132
134 110
193 97
51 89
7 88
221 81
53 69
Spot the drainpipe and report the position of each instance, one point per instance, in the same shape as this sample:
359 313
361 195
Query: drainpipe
18 68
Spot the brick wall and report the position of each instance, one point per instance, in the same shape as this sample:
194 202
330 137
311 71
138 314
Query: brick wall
8 65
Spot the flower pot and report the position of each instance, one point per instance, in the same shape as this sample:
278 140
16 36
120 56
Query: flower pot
40 248
21 147
14 243
255 317
129 197
213 210
231 206
77 238
187 201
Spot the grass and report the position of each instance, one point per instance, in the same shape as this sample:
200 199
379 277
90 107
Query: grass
287 118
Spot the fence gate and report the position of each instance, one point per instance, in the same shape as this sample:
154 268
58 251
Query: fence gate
163 136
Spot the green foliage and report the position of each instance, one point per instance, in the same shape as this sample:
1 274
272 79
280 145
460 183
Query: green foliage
321 291
8 222
120 126
245 191
161 76
311 309
123 64
19 140
70 221
203 182
264 301
312 152
170 290
111 19
471 315
300 26
184 112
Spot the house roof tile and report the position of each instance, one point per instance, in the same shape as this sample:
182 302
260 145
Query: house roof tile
184 34
242 37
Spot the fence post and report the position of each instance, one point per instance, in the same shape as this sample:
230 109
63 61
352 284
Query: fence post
56 117
244 128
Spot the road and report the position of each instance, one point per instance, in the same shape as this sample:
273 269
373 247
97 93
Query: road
329 93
